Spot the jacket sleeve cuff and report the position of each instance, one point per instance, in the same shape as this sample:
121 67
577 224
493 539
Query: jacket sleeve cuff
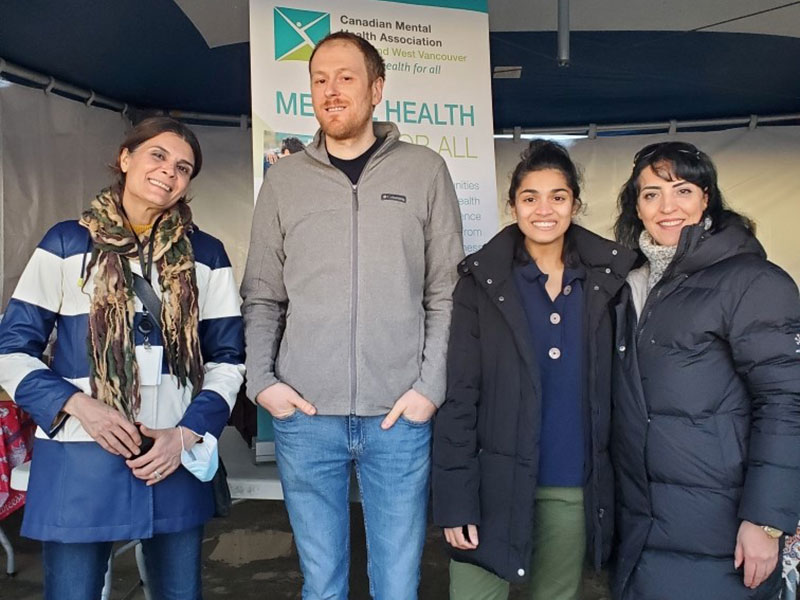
435 396
454 501
769 497
208 412
43 394
256 385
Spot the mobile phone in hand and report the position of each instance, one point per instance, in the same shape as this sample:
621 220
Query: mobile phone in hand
465 531
147 441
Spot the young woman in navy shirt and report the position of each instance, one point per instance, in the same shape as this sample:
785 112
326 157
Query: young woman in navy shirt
522 482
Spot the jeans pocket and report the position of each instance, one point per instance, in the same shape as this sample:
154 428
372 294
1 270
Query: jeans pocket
412 423
288 419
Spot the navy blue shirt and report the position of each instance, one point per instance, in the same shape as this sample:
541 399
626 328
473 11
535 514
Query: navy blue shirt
556 336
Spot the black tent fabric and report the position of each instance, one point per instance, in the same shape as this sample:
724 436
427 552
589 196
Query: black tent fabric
150 54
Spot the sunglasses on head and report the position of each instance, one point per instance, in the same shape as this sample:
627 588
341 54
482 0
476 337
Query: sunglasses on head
663 147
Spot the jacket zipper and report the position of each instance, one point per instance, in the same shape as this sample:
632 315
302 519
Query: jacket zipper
354 296
354 275
656 293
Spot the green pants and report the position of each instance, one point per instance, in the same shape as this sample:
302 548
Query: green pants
559 545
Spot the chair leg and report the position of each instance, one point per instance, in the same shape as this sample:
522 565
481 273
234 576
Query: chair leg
142 571
10 564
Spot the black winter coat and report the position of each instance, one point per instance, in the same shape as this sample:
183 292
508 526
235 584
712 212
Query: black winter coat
706 418
486 435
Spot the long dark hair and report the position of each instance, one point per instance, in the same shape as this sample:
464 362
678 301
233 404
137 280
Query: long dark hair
672 161
150 128
541 155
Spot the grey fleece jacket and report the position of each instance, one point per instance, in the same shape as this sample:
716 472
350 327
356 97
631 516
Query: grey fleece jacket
347 289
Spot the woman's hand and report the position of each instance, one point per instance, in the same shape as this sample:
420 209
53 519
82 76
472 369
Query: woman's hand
107 426
456 538
757 551
164 457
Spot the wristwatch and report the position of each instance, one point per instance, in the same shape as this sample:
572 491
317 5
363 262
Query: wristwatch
772 532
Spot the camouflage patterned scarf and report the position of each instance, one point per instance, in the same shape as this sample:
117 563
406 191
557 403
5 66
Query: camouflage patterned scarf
114 374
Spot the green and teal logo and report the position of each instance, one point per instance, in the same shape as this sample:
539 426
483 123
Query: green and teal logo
298 31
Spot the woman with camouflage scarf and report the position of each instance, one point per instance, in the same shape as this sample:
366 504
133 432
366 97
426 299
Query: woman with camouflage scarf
127 394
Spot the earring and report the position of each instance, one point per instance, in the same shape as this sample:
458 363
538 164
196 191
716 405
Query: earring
707 223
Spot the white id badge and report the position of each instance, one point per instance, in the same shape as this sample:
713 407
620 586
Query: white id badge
149 360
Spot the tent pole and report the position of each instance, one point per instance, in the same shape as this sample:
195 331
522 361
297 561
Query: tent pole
91 98
563 33
51 84
672 126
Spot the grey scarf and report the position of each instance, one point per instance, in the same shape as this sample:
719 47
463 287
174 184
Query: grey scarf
658 258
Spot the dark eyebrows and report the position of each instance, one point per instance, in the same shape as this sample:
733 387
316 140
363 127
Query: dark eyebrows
533 191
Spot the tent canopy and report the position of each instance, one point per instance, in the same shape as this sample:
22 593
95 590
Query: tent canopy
631 60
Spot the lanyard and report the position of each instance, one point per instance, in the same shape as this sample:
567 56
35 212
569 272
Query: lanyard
146 325
147 265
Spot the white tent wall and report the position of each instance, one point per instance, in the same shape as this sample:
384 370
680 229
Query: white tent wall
758 175
54 157
222 194
54 154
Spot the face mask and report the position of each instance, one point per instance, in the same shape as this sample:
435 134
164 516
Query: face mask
202 460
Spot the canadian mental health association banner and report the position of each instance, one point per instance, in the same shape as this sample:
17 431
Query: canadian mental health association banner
438 87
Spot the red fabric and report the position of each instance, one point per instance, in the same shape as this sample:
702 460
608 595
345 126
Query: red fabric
16 443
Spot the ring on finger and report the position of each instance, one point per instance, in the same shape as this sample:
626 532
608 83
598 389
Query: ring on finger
157 474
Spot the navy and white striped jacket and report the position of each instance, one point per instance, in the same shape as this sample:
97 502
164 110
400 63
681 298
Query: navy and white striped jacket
78 492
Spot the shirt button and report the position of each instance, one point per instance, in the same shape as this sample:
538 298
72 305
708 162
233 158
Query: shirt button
554 353
521 572
489 281
555 318
567 290
614 252
608 271
476 263
622 348
502 298
596 288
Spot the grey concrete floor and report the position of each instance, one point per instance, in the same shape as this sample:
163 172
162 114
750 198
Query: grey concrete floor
251 554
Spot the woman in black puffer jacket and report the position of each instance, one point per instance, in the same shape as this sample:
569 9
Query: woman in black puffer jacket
522 478
706 435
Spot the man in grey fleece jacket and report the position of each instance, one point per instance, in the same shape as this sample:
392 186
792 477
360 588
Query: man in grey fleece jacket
347 301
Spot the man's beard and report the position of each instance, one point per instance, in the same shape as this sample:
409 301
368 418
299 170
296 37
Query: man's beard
345 130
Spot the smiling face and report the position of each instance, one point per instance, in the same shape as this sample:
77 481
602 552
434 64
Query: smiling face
157 173
543 206
341 93
665 207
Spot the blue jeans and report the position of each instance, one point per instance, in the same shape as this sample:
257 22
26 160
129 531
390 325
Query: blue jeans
315 455
76 571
